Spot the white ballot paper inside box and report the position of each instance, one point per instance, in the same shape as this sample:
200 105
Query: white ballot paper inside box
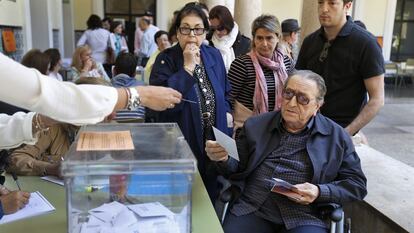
227 142
116 217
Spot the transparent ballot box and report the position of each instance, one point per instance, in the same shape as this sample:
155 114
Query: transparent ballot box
129 178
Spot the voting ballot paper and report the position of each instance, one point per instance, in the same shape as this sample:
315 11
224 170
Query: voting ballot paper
227 142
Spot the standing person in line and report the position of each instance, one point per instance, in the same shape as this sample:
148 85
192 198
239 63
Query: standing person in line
197 71
350 60
118 41
55 63
148 45
257 78
290 31
106 23
137 40
226 35
98 40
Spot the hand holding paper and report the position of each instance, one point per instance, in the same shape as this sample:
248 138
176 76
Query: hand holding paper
223 146
285 188
304 194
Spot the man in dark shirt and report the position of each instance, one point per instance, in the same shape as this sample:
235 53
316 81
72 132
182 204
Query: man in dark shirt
298 145
350 60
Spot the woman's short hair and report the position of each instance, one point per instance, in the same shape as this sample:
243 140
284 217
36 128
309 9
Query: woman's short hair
54 56
269 23
159 34
76 58
36 59
114 25
192 8
222 14
94 22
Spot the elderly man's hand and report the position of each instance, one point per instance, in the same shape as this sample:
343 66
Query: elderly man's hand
14 201
216 152
309 192
158 98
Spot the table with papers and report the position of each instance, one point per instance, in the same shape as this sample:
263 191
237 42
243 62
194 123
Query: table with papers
204 218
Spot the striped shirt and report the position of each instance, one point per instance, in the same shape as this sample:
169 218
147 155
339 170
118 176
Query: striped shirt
242 77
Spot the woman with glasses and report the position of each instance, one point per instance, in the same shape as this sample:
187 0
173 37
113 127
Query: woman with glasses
197 71
226 35
257 78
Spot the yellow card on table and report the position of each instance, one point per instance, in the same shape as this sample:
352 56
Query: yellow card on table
101 141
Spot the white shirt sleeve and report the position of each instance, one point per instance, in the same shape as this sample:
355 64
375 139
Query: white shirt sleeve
16 130
62 101
82 40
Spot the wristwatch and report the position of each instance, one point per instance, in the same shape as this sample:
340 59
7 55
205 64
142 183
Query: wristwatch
133 101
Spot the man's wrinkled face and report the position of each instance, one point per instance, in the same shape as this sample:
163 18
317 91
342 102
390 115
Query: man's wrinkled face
299 102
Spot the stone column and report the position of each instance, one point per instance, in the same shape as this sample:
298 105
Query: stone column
245 11
211 3
310 19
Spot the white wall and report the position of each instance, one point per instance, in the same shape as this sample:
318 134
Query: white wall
42 37
283 9
82 9
55 7
68 29
11 13
372 13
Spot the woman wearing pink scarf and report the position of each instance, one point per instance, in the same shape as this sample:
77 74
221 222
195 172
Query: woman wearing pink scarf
257 78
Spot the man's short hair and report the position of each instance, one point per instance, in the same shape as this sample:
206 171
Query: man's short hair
346 1
146 20
126 63
314 77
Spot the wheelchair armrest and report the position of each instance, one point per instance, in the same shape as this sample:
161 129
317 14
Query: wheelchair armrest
331 210
226 196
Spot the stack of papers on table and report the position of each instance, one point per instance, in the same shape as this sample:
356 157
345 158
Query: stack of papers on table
140 218
37 205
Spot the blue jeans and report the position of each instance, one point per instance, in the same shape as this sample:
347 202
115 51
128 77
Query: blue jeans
251 223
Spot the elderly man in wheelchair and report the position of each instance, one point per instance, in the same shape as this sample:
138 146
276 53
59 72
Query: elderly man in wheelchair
297 146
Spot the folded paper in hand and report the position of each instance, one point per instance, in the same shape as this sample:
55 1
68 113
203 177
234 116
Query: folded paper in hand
227 142
283 187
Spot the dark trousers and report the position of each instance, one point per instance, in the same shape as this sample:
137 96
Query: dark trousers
251 223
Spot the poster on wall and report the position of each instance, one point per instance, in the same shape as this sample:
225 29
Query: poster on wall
1 42
9 41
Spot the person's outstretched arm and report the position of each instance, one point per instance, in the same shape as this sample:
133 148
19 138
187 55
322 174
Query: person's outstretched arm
67 102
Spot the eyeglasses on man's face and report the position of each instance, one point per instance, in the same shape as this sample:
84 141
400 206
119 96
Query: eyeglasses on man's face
324 52
300 97
196 31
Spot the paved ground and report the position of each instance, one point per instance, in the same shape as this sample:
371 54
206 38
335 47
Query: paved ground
392 131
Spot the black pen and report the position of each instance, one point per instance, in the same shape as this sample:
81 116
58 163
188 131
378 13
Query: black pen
15 179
